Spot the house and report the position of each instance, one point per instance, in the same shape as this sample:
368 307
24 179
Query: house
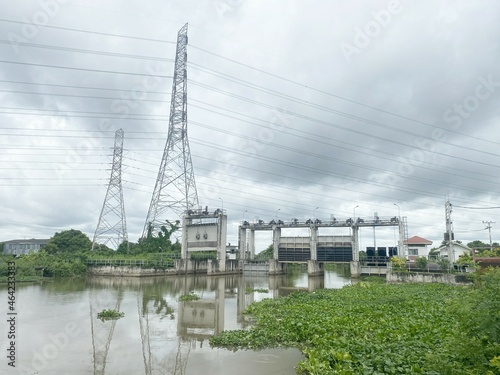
231 251
458 249
18 247
417 247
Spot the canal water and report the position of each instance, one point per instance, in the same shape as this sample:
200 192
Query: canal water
58 331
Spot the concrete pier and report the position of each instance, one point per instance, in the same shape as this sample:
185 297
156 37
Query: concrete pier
215 267
314 268
355 269
276 267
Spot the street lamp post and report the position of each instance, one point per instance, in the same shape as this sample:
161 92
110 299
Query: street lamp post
354 213
314 213
401 245
276 215
399 210
244 214
222 204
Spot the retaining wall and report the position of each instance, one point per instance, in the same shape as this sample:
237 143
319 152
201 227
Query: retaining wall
128 271
416 277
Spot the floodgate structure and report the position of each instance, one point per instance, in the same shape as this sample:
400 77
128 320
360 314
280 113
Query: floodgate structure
206 231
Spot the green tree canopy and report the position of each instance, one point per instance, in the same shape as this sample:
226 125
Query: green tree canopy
266 254
69 241
477 244
160 244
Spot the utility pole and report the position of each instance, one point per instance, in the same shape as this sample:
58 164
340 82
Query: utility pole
488 226
111 227
175 188
449 232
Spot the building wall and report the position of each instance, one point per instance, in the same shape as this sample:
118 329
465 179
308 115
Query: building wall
458 250
25 247
417 250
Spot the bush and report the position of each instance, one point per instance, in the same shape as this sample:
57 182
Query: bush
398 263
421 263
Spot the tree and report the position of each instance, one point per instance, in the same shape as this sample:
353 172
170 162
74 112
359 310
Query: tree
126 247
268 253
1 247
477 245
160 244
69 241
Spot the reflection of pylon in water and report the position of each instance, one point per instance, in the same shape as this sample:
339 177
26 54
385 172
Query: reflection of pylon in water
145 343
180 360
102 333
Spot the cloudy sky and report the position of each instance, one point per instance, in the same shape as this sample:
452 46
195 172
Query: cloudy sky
296 109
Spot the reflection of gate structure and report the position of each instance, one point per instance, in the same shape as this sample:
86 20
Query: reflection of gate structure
154 340
202 318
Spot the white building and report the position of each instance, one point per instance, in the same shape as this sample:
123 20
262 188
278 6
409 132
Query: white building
418 247
458 249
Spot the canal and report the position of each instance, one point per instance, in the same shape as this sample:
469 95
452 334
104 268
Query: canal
59 332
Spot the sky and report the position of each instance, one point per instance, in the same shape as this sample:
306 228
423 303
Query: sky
296 109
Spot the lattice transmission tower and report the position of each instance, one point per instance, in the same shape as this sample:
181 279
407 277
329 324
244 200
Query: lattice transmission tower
111 227
175 188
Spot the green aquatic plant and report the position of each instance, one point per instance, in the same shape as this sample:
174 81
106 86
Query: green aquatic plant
256 290
110 315
374 328
189 297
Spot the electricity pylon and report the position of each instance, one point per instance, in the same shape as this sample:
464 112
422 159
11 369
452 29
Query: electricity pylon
111 227
175 188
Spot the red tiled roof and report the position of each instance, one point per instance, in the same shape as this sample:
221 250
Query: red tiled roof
418 240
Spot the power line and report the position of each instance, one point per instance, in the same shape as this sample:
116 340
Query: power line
82 87
338 144
341 97
84 69
75 96
93 52
93 32
326 157
345 128
478 208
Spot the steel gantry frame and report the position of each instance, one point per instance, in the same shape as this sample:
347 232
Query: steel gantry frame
276 226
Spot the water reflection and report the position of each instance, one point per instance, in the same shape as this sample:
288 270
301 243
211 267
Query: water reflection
158 334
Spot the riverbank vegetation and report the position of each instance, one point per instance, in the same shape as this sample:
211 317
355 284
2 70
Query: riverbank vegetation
68 252
375 328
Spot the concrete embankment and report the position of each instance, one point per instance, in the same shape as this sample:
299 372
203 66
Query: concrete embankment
418 277
181 267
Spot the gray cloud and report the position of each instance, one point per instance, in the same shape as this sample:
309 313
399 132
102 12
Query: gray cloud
283 120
